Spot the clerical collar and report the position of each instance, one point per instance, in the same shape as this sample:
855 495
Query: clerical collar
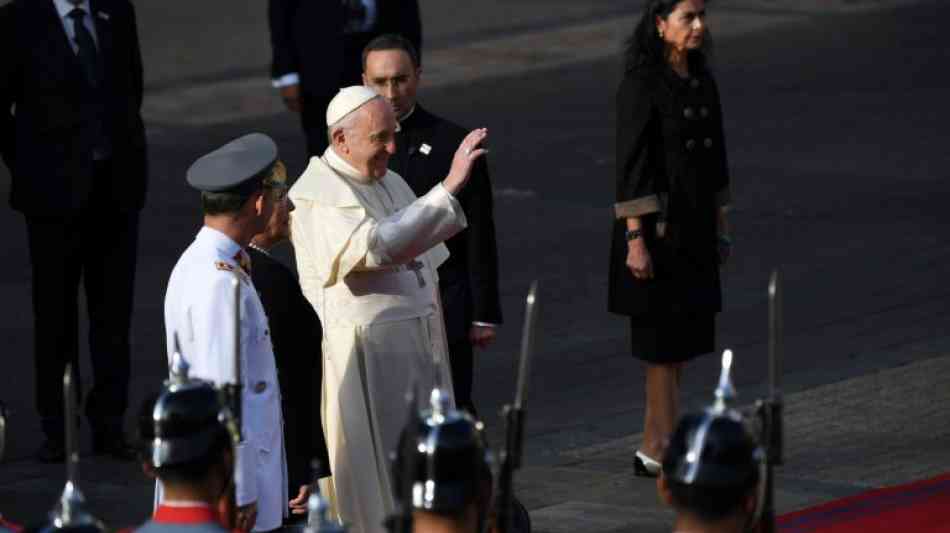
333 159
409 114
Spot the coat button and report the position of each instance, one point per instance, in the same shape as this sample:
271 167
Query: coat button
694 83
260 387
704 111
688 112
690 144
707 142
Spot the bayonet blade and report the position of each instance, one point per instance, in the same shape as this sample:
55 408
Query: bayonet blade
775 332
527 346
69 408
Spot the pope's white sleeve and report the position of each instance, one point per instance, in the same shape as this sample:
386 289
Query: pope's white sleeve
406 234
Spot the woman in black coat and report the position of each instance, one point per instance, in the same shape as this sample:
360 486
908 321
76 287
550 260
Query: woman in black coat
670 233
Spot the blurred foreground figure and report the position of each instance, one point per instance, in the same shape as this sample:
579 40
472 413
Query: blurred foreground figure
442 472
714 470
75 148
190 450
367 251
425 143
211 281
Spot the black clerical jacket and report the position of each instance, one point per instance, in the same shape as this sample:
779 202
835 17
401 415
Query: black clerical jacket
425 146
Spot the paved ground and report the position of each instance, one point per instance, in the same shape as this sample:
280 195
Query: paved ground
835 118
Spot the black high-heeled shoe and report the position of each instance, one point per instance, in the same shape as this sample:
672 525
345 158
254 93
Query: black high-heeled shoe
645 466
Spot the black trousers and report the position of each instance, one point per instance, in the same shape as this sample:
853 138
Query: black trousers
462 362
98 247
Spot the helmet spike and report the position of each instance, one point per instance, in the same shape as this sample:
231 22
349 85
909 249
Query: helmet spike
725 391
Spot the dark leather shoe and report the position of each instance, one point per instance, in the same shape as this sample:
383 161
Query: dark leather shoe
51 451
115 447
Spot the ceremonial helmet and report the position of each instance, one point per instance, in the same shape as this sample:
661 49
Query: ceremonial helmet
444 453
714 450
189 419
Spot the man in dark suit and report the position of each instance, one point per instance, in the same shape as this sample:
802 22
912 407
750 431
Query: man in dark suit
307 65
296 334
424 149
73 139
318 46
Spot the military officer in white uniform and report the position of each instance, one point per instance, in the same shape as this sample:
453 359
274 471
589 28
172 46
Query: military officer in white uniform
239 184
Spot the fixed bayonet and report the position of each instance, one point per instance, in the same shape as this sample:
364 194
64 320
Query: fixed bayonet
70 510
515 418
769 410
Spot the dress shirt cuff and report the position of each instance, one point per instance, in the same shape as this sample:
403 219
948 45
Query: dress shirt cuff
286 80
485 324
637 207
245 475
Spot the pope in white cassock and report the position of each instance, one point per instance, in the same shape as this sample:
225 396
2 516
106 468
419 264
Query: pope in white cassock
367 251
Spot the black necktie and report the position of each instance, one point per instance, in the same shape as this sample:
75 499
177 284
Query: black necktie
87 47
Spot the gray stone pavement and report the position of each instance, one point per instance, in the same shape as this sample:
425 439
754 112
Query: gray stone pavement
885 428
836 125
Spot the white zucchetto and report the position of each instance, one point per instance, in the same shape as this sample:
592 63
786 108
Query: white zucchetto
346 101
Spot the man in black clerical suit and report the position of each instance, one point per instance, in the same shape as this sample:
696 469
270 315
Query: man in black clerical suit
296 334
424 149
317 49
72 137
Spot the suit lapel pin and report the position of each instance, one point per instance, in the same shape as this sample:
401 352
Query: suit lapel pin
425 148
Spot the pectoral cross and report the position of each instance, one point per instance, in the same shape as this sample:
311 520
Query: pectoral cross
416 267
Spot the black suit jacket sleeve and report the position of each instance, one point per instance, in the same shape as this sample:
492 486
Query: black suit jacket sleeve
477 203
9 72
281 14
138 71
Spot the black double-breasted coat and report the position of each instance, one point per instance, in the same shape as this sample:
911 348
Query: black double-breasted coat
672 172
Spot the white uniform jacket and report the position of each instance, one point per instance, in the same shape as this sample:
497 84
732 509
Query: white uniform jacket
199 307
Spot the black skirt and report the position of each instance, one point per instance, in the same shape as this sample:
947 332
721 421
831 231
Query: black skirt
672 337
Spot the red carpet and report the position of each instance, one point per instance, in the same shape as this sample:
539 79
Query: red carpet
922 506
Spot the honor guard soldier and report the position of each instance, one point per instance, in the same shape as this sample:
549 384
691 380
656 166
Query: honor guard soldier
190 449
713 469
212 307
441 473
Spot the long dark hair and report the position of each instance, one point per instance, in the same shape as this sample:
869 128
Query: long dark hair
645 47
